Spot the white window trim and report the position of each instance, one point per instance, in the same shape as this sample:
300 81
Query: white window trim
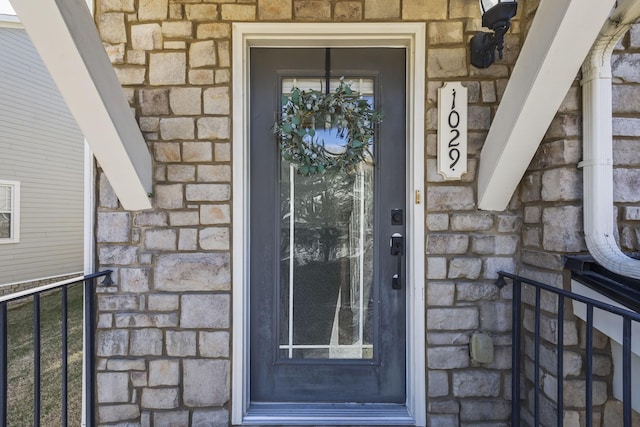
15 213
409 35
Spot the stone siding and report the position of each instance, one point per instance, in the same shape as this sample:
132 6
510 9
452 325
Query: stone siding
164 331
164 347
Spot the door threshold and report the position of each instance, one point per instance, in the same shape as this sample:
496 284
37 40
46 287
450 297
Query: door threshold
361 414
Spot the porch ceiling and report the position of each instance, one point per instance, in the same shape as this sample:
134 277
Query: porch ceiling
560 37
66 38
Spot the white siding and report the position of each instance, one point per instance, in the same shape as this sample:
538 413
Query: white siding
42 147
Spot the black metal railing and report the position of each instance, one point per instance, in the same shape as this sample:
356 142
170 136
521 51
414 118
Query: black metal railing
89 323
562 296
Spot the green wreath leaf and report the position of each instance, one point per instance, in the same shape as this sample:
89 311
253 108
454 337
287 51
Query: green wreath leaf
344 110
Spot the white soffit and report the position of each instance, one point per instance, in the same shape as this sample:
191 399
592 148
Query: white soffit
560 37
66 38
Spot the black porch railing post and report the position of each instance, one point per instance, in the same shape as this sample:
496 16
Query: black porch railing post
626 371
589 368
89 348
560 361
3 364
536 361
36 360
515 354
65 354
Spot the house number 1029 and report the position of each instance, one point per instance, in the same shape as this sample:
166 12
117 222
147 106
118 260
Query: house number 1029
452 130
454 122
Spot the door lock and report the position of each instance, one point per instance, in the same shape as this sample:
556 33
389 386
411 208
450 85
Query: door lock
397 250
397 217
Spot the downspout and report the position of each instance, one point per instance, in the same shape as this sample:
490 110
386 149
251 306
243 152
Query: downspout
597 161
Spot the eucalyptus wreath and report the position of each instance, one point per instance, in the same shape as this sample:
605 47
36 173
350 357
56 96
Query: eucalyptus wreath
344 110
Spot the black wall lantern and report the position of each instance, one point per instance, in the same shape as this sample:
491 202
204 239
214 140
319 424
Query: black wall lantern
496 15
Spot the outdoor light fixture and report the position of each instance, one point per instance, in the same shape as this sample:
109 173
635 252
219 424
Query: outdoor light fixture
496 15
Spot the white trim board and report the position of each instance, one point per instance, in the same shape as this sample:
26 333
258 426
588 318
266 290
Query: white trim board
408 35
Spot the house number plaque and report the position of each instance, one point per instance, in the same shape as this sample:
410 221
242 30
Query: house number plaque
452 130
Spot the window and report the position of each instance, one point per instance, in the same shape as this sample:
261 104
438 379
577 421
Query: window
9 211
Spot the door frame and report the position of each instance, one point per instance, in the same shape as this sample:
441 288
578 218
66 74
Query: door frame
411 36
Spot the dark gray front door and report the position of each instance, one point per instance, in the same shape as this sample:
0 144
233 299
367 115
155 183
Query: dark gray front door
326 323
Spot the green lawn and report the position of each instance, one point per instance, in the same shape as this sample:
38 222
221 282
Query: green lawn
20 355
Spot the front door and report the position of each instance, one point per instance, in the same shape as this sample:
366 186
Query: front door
327 296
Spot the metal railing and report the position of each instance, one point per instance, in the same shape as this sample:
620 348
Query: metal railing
517 356
89 324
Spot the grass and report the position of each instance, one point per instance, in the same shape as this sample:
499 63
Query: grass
20 359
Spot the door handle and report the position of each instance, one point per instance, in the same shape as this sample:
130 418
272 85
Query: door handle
397 250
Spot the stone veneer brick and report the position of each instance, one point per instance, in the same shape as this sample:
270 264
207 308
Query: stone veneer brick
181 29
348 11
446 62
381 9
167 68
216 100
112 27
130 75
113 413
448 357
192 272
238 12
151 10
214 128
445 32
113 387
424 9
197 151
164 372
159 398
274 9
146 36
199 377
311 10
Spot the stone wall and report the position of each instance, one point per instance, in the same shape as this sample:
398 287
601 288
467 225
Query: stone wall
164 332
164 349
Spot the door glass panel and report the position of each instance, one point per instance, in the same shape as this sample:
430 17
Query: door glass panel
326 253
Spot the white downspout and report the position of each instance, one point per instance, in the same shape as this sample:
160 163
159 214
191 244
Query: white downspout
597 161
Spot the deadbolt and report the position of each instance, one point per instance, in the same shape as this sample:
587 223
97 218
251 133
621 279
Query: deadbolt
397 217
